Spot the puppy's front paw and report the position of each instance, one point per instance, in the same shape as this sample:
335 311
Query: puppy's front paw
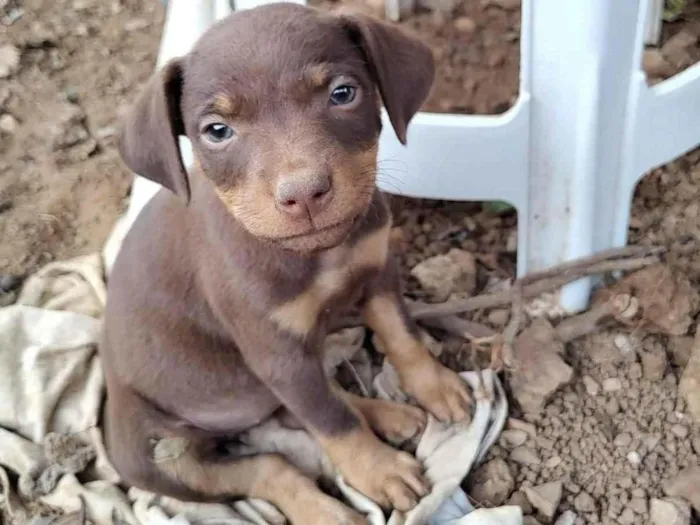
437 389
391 478
397 423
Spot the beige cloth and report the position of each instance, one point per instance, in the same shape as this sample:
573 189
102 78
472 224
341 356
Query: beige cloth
52 389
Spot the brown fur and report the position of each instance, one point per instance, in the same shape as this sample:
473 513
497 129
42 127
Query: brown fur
221 298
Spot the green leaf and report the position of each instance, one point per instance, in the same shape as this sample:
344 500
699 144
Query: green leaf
498 207
674 9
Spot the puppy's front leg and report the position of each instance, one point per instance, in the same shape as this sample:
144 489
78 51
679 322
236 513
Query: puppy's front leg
435 387
296 375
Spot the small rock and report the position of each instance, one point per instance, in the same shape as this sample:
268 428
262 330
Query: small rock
8 124
520 499
679 431
539 368
9 60
634 458
689 386
685 485
623 440
464 24
69 130
654 363
676 49
444 275
513 438
612 407
591 385
519 424
627 517
545 498
670 511
567 518
667 299
525 456
681 348
655 65
695 442
553 462
638 505
529 520
583 502
40 36
492 483
612 384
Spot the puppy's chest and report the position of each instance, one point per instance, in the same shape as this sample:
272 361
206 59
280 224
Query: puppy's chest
339 281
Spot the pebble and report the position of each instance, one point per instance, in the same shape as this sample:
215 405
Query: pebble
679 431
612 384
634 458
623 440
520 499
689 386
583 502
567 518
654 364
627 517
669 511
513 438
492 482
446 274
591 385
553 462
8 124
519 424
685 485
9 60
612 407
525 456
545 498
696 445
638 505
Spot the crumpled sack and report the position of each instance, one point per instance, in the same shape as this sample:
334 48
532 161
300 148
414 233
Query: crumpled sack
53 390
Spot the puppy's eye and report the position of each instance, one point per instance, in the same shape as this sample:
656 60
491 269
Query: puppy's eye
343 95
218 132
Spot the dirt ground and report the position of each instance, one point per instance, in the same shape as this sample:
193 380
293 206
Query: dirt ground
610 439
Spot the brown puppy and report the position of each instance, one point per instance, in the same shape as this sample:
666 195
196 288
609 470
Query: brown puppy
225 287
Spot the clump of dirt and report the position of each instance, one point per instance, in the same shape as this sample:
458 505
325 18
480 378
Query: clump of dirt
66 69
612 438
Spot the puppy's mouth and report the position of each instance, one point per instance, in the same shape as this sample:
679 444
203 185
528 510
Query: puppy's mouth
318 239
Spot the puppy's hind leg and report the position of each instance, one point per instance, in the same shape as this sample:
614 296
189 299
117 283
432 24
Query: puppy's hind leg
187 465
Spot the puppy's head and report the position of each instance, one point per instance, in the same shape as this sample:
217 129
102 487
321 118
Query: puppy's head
282 105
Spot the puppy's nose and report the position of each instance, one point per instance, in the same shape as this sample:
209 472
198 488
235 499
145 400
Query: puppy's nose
304 197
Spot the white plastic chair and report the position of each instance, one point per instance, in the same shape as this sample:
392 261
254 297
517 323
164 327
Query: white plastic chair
568 154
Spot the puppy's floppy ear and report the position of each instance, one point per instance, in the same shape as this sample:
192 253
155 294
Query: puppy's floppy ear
149 139
402 66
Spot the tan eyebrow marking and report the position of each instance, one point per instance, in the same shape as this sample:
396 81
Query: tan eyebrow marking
317 76
225 105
